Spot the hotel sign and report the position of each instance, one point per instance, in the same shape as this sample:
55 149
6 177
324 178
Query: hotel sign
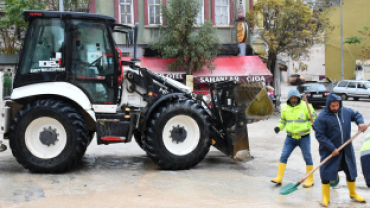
175 76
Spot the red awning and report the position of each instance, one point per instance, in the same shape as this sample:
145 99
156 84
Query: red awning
239 68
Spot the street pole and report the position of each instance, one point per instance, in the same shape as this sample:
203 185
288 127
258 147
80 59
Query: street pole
277 85
61 5
341 39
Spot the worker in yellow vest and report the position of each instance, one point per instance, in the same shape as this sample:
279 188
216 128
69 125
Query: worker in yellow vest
296 119
365 159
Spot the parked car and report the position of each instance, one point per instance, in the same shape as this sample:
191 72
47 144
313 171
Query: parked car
352 88
316 93
296 79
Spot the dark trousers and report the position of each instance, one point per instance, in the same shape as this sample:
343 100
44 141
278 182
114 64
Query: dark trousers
344 167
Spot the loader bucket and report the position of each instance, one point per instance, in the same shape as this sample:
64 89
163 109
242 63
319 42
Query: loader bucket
254 97
234 105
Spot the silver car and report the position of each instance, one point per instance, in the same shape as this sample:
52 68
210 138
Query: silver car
352 88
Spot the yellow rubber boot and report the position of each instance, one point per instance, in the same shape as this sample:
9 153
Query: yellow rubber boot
352 192
325 194
309 181
280 174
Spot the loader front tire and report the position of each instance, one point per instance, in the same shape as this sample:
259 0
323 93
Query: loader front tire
178 135
48 136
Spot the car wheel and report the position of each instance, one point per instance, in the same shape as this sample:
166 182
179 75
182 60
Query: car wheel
343 96
356 98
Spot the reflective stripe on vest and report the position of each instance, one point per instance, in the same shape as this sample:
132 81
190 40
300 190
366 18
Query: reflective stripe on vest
367 139
298 121
299 133
366 152
365 149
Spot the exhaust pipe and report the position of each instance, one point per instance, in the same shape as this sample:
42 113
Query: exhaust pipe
136 29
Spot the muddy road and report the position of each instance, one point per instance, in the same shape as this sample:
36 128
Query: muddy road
122 175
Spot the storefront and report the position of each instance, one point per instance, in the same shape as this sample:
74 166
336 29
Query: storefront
228 68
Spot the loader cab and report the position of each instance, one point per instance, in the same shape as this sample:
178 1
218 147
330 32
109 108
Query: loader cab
77 48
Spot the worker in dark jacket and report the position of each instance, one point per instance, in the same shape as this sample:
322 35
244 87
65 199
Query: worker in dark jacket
365 159
332 129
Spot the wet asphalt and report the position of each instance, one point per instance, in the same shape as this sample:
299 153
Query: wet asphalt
121 175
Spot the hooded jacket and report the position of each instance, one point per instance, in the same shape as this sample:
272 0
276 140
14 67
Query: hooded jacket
332 130
296 119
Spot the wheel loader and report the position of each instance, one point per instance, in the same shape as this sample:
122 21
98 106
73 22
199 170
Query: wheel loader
72 84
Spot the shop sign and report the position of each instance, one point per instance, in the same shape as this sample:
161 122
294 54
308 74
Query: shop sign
241 8
241 32
232 78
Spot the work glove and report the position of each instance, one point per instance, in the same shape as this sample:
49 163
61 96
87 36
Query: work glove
276 129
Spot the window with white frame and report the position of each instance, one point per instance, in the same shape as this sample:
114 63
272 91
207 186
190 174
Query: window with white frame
200 16
127 11
222 13
154 7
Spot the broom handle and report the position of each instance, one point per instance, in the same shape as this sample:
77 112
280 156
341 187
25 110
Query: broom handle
308 107
330 156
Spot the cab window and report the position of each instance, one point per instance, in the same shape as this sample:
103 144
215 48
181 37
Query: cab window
44 50
92 60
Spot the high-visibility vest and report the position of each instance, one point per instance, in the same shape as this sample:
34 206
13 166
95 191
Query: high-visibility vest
296 120
365 150
365 159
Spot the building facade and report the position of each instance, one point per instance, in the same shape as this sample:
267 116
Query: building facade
223 14
355 16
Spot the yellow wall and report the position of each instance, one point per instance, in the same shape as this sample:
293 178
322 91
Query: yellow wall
355 15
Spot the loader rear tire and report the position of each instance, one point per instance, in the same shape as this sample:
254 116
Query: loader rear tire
178 135
48 136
